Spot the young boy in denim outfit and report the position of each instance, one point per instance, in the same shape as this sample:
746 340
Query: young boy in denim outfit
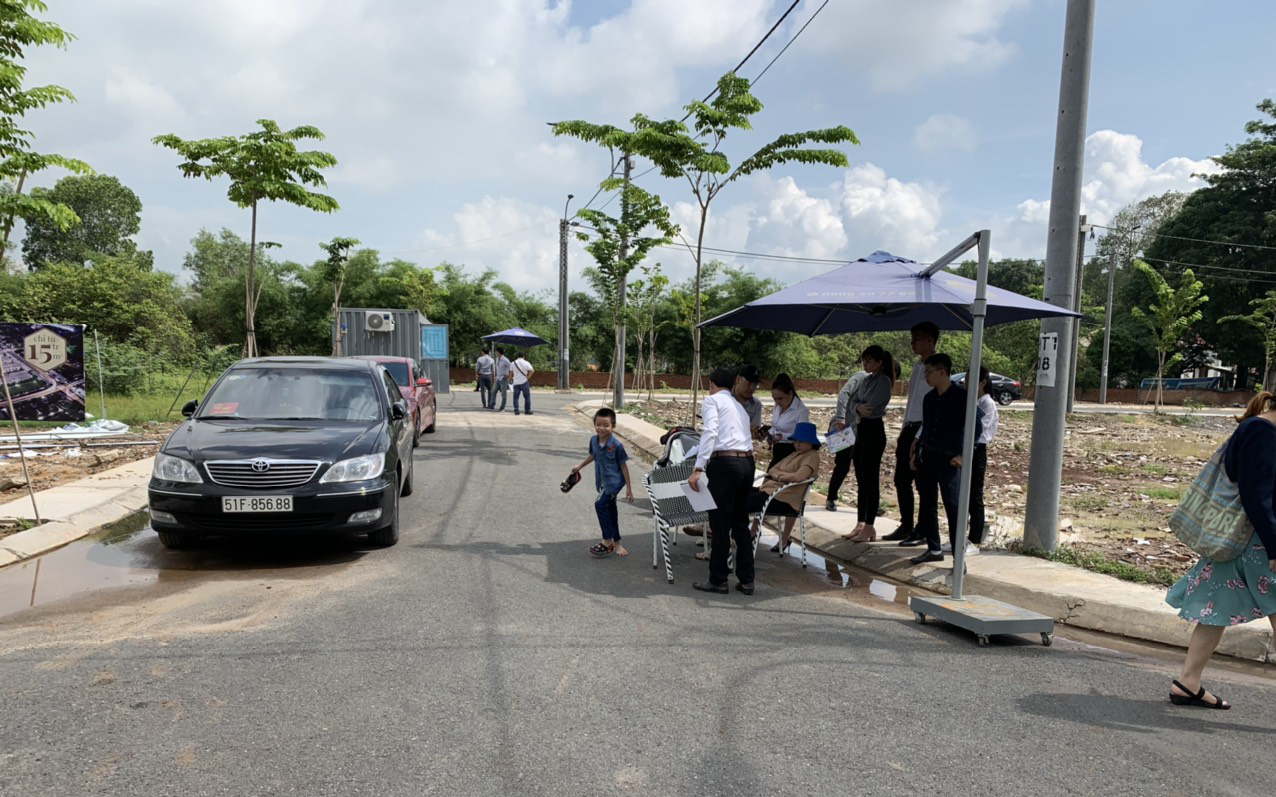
610 474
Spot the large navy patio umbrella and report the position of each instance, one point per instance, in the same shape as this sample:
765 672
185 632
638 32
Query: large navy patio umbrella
883 292
515 336
878 293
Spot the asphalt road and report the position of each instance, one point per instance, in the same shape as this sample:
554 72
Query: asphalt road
487 654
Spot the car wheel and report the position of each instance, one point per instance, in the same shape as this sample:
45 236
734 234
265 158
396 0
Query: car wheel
388 535
434 413
416 429
173 540
407 482
1004 397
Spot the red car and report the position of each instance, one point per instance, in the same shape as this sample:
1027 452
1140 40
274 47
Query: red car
417 390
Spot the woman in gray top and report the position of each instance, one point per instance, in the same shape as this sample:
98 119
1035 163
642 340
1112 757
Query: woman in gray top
864 408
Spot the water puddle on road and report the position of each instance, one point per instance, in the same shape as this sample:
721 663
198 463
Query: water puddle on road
108 558
128 554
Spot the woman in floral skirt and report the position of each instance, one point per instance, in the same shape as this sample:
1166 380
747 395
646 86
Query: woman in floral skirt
1215 595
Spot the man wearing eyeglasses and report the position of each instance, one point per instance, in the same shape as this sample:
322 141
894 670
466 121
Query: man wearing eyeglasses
936 456
747 380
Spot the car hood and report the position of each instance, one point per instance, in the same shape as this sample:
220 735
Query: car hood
235 439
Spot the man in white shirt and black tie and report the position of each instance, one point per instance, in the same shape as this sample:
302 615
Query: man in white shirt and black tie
726 458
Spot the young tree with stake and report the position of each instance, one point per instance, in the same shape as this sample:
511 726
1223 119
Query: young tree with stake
262 165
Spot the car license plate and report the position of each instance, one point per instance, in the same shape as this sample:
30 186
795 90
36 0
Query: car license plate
264 503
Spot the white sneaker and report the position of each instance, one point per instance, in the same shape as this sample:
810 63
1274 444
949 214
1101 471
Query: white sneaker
946 548
972 549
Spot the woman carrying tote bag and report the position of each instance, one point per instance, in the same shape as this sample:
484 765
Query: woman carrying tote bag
1215 595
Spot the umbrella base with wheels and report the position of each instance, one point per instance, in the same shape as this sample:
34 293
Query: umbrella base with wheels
983 616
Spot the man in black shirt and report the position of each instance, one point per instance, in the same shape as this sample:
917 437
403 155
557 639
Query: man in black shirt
936 456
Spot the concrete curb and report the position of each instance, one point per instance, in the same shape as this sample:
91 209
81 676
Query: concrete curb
75 510
1070 595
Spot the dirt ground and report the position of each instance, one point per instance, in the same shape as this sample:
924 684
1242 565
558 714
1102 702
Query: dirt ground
54 466
1122 477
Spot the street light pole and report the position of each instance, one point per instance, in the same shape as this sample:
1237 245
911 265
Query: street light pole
1107 324
564 350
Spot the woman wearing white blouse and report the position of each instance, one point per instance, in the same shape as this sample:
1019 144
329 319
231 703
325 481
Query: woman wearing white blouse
788 412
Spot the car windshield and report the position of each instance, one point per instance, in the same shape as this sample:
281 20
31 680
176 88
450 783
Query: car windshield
266 394
400 373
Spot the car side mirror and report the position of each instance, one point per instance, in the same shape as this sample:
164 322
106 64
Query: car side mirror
398 411
423 382
188 409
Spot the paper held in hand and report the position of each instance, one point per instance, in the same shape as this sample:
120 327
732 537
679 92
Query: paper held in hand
840 441
700 500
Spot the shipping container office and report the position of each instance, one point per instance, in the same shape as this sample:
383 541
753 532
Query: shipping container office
394 333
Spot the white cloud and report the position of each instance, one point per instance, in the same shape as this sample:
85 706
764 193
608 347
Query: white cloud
885 213
794 223
903 41
944 132
1115 175
515 238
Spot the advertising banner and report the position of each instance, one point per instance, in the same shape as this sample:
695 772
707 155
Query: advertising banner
43 367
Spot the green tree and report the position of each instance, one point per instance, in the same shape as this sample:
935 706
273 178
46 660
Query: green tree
1173 312
119 297
618 246
110 214
647 294
695 154
334 272
1263 318
1235 208
1129 231
262 165
19 31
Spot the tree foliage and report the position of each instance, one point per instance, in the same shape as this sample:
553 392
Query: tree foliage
1173 312
109 212
1262 318
1237 208
263 165
20 30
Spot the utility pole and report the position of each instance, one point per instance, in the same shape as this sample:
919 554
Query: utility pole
1107 330
1045 470
1076 308
564 348
618 390
1107 324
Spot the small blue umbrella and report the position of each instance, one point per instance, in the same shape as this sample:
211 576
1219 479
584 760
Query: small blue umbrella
515 336
879 293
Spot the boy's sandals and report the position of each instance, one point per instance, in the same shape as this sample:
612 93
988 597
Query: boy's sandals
600 550
702 556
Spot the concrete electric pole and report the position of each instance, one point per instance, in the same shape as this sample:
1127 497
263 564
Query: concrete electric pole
564 347
1045 471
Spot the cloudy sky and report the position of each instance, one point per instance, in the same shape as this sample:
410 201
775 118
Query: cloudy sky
437 112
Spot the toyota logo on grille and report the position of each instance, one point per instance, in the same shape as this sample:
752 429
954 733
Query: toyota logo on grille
260 466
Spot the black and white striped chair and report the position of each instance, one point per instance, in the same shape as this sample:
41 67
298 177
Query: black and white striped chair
670 509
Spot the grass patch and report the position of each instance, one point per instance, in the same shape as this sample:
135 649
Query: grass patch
1098 563
1165 493
1089 503
1113 470
1155 468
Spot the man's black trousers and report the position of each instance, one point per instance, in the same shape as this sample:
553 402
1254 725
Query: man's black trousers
730 479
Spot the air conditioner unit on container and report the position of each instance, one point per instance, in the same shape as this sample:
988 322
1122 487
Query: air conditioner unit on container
377 321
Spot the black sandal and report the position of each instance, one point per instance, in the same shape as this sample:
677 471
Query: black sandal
1198 699
600 550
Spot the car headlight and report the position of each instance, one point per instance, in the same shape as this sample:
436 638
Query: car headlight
175 469
355 470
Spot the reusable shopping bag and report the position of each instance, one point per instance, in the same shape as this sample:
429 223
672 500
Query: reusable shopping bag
1210 519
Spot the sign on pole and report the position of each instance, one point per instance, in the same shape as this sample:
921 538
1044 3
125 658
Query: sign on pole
43 370
1047 357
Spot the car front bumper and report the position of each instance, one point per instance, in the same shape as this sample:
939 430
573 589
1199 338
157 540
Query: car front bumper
327 508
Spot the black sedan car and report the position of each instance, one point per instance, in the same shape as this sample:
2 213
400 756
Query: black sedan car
287 445
1003 389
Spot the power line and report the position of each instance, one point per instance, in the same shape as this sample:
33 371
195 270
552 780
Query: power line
795 37
1183 238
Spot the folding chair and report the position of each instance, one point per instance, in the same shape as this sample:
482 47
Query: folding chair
805 486
669 509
